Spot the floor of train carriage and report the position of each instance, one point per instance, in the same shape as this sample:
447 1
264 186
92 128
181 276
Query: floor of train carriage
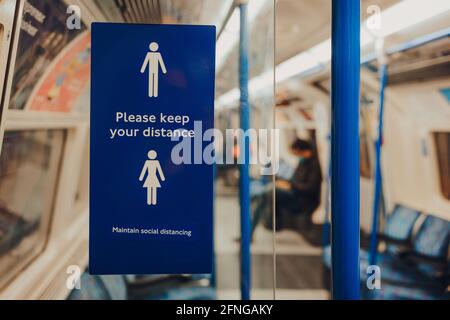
298 263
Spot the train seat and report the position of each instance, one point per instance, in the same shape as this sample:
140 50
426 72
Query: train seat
171 287
398 229
392 292
94 287
414 264
117 287
432 243
399 226
184 293
426 264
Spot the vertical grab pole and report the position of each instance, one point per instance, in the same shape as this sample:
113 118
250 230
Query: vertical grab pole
345 149
383 74
244 177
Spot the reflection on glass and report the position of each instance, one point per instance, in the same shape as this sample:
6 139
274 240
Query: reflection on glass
365 169
443 154
29 165
82 195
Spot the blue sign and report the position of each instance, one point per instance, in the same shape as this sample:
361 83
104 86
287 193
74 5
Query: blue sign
152 88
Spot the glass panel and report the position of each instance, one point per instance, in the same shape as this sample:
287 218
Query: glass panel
227 214
29 165
82 191
365 169
302 115
227 274
365 139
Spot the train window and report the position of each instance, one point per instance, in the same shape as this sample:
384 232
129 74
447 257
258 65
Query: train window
442 140
29 165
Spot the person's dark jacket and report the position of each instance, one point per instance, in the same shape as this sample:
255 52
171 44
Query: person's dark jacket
306 184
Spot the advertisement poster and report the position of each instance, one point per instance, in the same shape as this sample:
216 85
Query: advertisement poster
61 87
43 36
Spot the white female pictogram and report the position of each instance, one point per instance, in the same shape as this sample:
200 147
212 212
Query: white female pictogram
152 167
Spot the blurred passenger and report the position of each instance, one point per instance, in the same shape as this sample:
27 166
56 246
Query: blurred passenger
301 194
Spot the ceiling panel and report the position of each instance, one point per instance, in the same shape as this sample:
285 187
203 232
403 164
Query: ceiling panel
301 24
163 11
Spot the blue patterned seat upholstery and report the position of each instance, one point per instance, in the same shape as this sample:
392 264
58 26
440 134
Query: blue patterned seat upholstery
433 237
400 223
399 226
402 276
94 287
115 287
432 241
393 292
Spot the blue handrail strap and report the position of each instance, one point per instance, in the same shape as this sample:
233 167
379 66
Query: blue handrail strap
378 176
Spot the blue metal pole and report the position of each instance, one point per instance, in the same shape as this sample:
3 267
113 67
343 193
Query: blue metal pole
345 65
378 177
244 177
